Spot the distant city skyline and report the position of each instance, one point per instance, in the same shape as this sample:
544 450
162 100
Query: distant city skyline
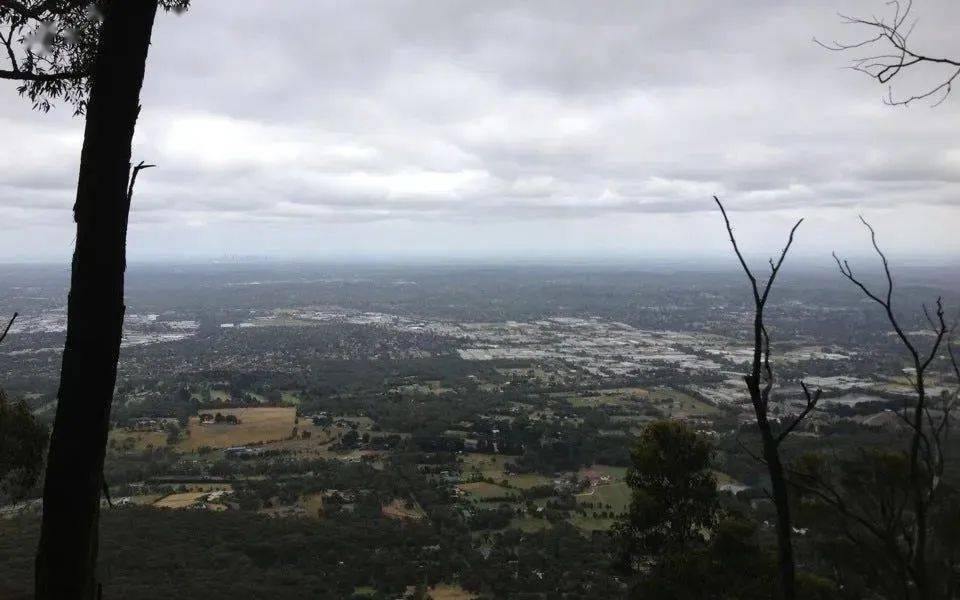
439 131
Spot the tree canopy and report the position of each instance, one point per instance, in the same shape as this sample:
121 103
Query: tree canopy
49 47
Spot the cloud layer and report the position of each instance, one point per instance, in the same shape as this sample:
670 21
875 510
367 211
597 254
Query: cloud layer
449 128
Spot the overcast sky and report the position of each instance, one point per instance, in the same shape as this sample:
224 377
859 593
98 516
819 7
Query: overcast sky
464 129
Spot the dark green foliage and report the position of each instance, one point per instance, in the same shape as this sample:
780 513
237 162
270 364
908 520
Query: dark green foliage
730 565
22 444
676 542
875 519
231 555
53 46
225 556
674 503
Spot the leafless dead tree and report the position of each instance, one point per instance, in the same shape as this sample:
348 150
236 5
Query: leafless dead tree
897 519
890 38
760 382
928 430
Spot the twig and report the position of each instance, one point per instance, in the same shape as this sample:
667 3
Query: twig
133 178
7 328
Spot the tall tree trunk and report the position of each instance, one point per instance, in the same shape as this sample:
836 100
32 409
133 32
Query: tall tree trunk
781 501
760 398
67 556
918 483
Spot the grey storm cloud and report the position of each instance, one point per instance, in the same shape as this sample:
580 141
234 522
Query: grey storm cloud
324 128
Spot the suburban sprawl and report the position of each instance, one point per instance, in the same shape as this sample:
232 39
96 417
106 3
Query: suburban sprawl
472 424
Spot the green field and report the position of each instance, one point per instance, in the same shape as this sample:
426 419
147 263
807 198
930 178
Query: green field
487 465
603 400
529 524
526 481
678 403
122 439
493 466
482 492
589 523
617 495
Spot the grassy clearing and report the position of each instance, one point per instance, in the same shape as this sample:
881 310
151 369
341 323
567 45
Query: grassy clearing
256 425
692 407
180 500
487 465
528 480
616 495
313 505
638 397
220 395
589 523
599 401
493 466
145 499
290 397
444 591
399 509
137 440
722 478
682 405
482 492
530 524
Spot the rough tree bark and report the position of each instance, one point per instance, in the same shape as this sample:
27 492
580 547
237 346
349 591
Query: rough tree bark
67 555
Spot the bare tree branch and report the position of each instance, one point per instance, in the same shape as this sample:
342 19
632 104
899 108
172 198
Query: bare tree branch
3 336
20 75
812 399
926 455
886 66
133 177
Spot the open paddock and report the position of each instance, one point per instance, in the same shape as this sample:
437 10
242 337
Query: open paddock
485 492
525 481
254 426
530 524
589 523
616 495
127 440
183 500
400 509
487 465
444 591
